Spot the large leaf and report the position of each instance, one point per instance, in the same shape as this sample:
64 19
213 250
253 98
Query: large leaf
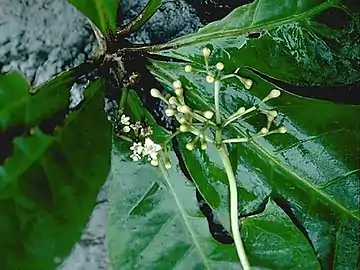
314 168
155 222
301 42
103 13
49 184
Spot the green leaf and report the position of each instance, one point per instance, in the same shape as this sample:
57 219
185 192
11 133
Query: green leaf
276 229
103 13
20 108
314 167
48 186
149 10
298 43
155 222
10 99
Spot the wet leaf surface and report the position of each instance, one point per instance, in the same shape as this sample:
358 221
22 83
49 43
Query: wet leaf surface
314 167
49 183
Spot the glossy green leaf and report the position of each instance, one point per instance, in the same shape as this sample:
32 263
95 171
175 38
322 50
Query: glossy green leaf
275 228
103 13
49 184
20 108
155 222
149 10
298 41
313 169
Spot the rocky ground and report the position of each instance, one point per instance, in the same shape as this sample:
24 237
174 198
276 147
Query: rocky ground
43 38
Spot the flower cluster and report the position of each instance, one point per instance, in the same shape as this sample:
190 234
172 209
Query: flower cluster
122 125
189 119
149 149
142 146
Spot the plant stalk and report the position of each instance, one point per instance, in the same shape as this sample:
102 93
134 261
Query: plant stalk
234 209
217 113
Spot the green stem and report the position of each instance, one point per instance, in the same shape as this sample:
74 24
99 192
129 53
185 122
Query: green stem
124 91
217 113
124 94
234 209
217 101
170 138
202 119
200 134
125 138
236 116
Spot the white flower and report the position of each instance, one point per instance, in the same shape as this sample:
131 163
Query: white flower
135 157
146 131
137 148
137 126
151 149
126 129
125 120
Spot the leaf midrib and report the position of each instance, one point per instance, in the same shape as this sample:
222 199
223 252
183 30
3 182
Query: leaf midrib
101 14
195 39
184 216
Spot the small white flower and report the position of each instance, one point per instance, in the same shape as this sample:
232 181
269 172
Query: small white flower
137 148
126 129
151 149
146 131
135 157
125 120
137 126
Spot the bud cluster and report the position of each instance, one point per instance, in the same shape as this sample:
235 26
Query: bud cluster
197 122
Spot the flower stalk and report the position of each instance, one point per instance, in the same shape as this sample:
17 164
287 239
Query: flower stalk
234 209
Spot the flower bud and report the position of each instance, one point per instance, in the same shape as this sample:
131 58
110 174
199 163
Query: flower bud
184 109
241 110
179 92
188 68
173 101
206 52
170 112
177 84
263 131
190 146
183 121
155 93
203 146
273 114
282 130
247 83
270 118
167 165
210 78
274 93
208 114
184 128
220 66
154 162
